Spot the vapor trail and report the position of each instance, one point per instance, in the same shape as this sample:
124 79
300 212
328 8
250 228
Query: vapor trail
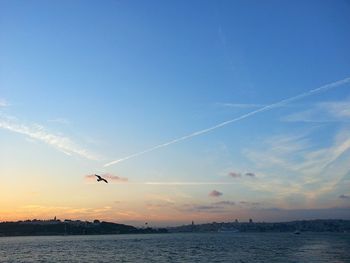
244 116
188 183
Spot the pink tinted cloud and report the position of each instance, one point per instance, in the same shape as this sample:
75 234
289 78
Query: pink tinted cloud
108 177
238 175
215 193
234 174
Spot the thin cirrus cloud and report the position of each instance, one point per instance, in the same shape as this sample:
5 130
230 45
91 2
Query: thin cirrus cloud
308 172
246 203
109 177
239 175
217 207
4 103
225 203
39 133
215 193
201 208
338 109
234 175
330 111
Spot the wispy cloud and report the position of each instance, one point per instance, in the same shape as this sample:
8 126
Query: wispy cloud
225 203
339 109
275 151
215 193
109 177
291 166
222 206
330 111
239 175
3 103
157 206
344 196
246 203
200 208
234 175
242 117
318 160
38 132
214 207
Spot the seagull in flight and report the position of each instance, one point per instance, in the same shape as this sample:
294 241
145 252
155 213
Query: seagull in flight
99 178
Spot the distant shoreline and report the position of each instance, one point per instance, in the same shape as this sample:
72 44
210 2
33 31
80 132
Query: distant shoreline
69 227
77 227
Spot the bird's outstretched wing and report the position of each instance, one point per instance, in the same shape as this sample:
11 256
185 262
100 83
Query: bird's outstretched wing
104 180
99 178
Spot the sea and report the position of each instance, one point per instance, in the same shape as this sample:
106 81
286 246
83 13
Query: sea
180 247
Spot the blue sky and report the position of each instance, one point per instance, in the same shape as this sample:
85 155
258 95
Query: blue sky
84 83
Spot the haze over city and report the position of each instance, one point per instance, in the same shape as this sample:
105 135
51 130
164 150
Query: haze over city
192 110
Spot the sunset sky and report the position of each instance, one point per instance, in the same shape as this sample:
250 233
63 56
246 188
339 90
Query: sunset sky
170 102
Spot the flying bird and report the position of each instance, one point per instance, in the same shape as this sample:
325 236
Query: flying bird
99 178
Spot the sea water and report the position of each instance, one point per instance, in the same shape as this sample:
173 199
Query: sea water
180 247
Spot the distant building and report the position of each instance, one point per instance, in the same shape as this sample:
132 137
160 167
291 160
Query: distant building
250 220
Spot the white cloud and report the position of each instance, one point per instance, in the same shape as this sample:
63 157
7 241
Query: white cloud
332 111
38 132
339 109
3 103
316 161
277 151
290 166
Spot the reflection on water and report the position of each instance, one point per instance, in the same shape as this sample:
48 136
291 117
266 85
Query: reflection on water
208 247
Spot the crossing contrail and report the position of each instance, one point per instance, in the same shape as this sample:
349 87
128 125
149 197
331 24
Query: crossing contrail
244 116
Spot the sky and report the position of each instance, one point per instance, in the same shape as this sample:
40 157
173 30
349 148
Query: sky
192 110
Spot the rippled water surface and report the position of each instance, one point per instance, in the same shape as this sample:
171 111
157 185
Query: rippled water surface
206 247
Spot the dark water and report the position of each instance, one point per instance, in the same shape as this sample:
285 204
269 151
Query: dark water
208 247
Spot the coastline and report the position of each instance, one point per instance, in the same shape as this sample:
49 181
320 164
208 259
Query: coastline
77 227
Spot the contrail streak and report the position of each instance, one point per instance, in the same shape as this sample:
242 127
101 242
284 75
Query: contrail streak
244 116
188 183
